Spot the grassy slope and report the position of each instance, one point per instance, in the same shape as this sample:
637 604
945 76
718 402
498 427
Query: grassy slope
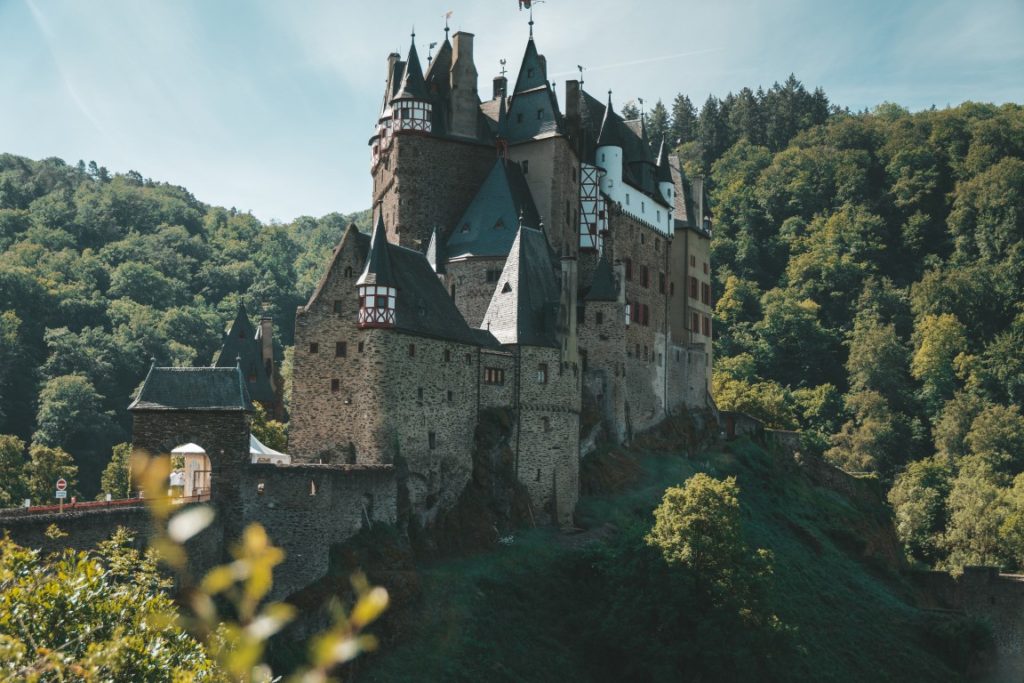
513 614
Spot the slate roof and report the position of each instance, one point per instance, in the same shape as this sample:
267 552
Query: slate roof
524 307
422 304
532 94
664 174
413 86
241 345
193 390
611 127
602 286
488 226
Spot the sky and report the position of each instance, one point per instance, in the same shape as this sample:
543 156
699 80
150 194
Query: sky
267 105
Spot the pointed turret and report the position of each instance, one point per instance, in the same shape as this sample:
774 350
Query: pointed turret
411 107
611 134
533 108
609 149
376 284
435 253
242 346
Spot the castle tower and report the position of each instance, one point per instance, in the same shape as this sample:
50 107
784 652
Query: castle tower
376 286
411 107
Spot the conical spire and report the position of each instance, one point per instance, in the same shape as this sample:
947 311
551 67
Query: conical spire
378 269
645 142
533 71
435 252
502 131
413 85
664 174
610 135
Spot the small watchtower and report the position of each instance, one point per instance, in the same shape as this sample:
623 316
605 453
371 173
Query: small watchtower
376 285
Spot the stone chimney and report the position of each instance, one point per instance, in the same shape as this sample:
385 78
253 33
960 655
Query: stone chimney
572 100
500 87
392 60
465 104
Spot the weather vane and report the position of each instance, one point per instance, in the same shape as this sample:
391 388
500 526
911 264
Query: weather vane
502 66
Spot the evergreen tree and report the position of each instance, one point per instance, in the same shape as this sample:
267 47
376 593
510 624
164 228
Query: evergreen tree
684 120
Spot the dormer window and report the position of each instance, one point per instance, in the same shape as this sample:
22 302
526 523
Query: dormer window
540 114
465 227
529 73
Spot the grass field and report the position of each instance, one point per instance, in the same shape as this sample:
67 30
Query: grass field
521 612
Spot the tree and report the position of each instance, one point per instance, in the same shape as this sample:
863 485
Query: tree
45 466
12 464
918 498
630 112
658 127
792 347
997 437
876 438
117 478
977 510
878 361
938 341
697 527
684 120
270 432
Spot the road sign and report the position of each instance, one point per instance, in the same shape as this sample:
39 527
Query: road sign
61 485
62 494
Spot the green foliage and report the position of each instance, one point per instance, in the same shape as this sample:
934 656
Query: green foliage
12 464
918 498
270 432
45 466
76 616
117 477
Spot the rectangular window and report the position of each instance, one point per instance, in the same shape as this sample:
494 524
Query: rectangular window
628 263
337 305
672 289
526 163
447 355
693 261
695 323
335 386
599 317
542 373
432 440
412 350
494 376
693 287
627 199
707 326
661 282
469 359
493 274
314 347
644 276
340 349
628 314
706 268
705 293
360 347
419 394
449 395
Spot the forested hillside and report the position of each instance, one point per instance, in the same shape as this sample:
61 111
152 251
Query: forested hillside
870 290
869 277
98 274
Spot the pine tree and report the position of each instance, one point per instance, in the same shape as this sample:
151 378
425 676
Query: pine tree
684 120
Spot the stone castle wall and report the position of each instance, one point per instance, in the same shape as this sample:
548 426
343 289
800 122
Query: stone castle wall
423 182
646 340
468 279
547 452
430 394
308 508
602 340
342 425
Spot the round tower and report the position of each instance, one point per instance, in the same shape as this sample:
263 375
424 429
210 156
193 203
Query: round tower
609 150
411 108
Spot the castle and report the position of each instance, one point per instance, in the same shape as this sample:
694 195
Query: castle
539 262
521 257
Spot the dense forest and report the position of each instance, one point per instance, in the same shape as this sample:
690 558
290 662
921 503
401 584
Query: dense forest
869 273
